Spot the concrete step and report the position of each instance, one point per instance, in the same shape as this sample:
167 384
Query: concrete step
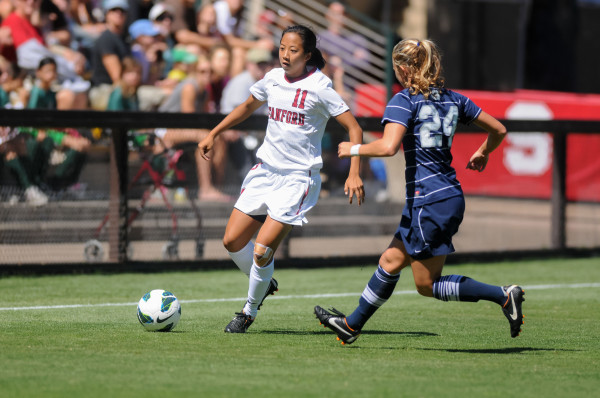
79 221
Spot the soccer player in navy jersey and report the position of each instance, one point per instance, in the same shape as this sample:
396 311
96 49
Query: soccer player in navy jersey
278 192
424 117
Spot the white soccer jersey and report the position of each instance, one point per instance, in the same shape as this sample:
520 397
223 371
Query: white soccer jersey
298 113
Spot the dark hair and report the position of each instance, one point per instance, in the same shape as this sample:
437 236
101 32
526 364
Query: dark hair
45 61
309 43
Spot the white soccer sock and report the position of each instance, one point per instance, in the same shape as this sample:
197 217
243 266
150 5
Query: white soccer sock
260 277
244 258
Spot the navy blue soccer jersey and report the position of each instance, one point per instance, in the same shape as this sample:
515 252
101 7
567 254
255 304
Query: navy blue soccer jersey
430 125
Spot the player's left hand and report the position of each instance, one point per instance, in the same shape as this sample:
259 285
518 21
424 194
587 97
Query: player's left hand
344 149
478 161
354 187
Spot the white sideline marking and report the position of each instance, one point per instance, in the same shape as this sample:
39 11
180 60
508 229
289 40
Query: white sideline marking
303 296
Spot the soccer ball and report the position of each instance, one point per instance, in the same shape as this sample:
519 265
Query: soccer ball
158 311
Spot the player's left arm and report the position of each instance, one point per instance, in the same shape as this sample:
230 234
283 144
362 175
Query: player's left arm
354 184
496 133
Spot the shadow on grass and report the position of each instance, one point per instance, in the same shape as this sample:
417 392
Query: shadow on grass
507 350
366 332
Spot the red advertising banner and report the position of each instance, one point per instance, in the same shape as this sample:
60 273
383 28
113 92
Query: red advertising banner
522 166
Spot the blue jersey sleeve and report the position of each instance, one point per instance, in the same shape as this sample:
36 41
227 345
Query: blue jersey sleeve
469 111
398 110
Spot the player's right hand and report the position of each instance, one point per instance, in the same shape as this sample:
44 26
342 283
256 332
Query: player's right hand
205 146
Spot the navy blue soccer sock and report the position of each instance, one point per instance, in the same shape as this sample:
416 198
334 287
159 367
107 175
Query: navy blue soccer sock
378 291
462 288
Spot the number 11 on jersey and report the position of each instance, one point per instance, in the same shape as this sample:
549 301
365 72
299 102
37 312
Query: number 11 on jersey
300 105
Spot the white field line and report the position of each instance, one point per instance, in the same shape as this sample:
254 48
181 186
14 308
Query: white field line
304 296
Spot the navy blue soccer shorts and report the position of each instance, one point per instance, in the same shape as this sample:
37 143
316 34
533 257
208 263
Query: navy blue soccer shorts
427 231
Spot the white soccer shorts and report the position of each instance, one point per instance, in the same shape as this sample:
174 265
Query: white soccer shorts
286 196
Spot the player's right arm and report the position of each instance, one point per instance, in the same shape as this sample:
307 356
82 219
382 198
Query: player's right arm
388 145
235 117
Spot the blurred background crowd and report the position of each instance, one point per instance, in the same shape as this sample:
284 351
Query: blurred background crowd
201 56
142 55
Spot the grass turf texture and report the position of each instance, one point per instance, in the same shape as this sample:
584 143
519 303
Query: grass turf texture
413 346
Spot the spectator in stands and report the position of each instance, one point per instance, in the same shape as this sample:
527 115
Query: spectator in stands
191 96
6 7
184 11
29 46
14 153
161 16
41 95
54 24
204 35
85 23
12 145
124 95
68 147
206 23
108 52
229 18
13 95
266 27
351 48
147 48
4 76
220 63
124 98
258 62
184 63
138 9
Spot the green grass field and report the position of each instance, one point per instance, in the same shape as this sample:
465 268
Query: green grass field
90 344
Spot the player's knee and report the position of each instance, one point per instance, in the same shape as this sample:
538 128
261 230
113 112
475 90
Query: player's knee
231 244
424 289
392 261
262 254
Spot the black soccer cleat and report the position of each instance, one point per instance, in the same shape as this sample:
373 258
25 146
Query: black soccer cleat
337 323
273 287
240 323
512 308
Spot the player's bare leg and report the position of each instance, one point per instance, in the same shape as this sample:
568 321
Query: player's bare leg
237 240
239 230
426 272
430 283
268 240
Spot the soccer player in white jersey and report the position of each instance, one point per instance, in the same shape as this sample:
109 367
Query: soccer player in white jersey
279 191
424 117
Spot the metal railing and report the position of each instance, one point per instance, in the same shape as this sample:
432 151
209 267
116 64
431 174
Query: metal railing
375 70
120 122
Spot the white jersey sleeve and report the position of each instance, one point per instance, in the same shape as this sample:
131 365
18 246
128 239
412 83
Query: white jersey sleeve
298 113
332 103
259 89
